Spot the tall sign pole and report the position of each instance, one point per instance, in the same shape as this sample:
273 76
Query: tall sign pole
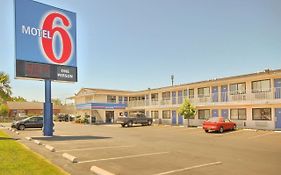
45 48
48 110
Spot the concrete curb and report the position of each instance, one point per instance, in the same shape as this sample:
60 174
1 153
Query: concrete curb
99 171
37 142
277 131
69 157
28 138
50 148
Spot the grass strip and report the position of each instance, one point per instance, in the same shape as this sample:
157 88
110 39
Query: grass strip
15 159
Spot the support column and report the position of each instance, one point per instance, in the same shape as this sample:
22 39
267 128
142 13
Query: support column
48 110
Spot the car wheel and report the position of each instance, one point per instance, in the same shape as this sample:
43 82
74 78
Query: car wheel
130 124
123 125
149 123
234 127
206 130
221 130
21 127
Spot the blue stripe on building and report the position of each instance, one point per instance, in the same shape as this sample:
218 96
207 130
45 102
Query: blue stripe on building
101 106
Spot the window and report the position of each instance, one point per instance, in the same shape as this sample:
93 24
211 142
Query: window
191 93
203 114
166 95
204 92
261 114
39 118
154 114
120 99
111 99
185 93
125 100
238 88
33 119
166 114
261 86
180 98
238 114
154 97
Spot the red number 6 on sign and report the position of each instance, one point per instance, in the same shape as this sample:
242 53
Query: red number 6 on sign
48 44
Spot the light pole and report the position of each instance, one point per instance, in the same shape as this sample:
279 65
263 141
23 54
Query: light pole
172 78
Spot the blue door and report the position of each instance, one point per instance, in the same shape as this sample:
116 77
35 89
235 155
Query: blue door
277 88
224 113
174 97
278 117
224 93
180 119
174 117
179 97
215 96
215 113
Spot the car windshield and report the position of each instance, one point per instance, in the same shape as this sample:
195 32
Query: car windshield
26 119
213 119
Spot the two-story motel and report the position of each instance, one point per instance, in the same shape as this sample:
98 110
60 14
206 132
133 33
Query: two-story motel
251 100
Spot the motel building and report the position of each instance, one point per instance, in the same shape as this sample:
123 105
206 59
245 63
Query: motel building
251 100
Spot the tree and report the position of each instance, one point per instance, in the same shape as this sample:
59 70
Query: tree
18 99
5 88
56 101
4 110
187 110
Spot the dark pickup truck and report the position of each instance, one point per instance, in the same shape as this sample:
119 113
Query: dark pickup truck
137 119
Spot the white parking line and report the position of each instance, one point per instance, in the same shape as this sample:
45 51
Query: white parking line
95 148
124 157
189 168
253 137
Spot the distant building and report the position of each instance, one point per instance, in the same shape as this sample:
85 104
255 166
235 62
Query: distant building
29 108
251 100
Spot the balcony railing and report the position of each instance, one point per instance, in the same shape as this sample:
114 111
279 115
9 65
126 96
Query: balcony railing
213 98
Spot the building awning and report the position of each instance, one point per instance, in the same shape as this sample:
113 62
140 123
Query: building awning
101 106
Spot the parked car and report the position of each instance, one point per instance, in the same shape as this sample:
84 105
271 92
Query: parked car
30 122
137 119
65 118
219 124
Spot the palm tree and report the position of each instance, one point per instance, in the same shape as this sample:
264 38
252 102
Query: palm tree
5 88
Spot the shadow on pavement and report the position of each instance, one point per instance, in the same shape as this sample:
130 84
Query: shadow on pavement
224 132
65 138
5 138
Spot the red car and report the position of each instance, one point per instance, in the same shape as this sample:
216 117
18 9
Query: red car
219 124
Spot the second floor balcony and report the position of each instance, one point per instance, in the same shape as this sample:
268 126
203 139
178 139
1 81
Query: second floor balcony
266 96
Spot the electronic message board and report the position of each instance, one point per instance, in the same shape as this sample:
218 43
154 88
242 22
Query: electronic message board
45 42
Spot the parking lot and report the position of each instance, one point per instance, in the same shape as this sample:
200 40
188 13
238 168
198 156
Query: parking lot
158 150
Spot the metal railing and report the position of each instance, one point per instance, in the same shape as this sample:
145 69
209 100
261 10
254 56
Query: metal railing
220 97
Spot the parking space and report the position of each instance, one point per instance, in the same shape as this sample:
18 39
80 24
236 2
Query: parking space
159 149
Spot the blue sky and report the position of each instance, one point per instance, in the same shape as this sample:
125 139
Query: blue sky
138 44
